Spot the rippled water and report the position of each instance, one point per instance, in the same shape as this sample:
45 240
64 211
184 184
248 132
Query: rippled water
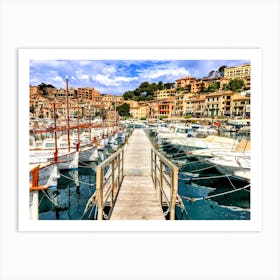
76 187
232 206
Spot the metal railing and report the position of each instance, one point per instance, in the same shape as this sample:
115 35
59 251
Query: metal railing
109 176
165 178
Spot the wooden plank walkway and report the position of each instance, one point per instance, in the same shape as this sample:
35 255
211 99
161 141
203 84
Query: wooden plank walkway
137 199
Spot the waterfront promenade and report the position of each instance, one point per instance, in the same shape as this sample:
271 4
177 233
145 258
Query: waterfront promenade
137 199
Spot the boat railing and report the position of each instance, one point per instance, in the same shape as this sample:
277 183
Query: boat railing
165 178
109 177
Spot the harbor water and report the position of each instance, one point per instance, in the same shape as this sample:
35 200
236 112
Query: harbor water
75 187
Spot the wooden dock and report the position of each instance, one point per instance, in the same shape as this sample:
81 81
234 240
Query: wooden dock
137 198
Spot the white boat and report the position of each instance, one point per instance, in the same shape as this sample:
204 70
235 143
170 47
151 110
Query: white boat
48 174
206 130
121 137
235 163
209 142
89 154
243 147
45 152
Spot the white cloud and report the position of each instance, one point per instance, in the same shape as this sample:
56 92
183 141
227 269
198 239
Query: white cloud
104 79
47 63
125 79
156 73
81 76
109 70
83 62
114 81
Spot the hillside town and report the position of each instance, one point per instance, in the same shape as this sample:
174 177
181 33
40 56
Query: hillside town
91 152
189 97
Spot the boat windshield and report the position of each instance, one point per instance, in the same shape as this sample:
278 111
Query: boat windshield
182 130
49 145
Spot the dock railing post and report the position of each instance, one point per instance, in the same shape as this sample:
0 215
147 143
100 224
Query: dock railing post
113 181
99 190
155 169
152 173
173 194
161 182
152 167
119 170
167 183
122 160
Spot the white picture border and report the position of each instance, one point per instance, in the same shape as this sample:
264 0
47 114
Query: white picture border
254 55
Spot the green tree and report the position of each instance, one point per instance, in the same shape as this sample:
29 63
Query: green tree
169 85
144 86
43 88
226 87
160 85
180 89
236 85
222 69
213 87
128 95
151 89
123 109
202 87
149 98
211 73
145 91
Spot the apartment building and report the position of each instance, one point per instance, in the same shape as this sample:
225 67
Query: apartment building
87 93
197 102
61 93
166 107
182 103
240 106
188 83
218 104
152 110
34 91
238 72
193 85
106 100
164 93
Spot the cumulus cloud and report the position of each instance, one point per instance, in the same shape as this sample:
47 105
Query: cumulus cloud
118 76
112 81
80 75
157 73
109 69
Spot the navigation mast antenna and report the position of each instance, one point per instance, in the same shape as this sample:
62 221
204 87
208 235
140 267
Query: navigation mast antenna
67 111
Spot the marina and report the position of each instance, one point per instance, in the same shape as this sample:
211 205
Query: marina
93 157
140 188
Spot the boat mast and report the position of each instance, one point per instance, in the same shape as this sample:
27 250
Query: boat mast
67 111
55 135
78 126
115 115
89 122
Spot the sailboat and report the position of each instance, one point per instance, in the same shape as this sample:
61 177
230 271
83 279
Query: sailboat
87 150
54 150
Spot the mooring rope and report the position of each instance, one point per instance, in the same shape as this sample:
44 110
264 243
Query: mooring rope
204 178
201 169
193 199
84 164
69 178
47 196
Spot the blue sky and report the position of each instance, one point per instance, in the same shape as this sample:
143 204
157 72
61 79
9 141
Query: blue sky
118 76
